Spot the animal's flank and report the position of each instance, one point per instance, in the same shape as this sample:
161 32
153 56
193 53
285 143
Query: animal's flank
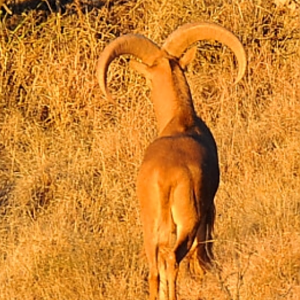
179 175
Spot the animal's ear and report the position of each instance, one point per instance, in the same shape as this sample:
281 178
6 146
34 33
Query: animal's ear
140 67
188 57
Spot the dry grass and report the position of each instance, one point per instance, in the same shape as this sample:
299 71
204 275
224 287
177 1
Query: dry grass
69 226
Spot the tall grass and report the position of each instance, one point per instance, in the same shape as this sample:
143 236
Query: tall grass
69 224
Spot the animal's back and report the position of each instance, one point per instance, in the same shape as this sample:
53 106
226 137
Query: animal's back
193 150
187 162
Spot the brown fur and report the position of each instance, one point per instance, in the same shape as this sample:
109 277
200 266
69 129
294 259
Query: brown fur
179 176
177 181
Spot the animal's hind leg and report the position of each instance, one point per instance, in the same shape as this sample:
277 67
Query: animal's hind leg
181 248
185 236
152 255
163 275
151 249
185 217
165 253
172 272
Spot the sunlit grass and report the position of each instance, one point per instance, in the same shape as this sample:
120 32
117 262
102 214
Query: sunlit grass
69 226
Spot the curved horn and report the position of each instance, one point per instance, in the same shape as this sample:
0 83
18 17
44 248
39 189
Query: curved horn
186 35
133 44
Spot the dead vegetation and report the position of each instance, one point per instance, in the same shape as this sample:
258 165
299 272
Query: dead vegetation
69 226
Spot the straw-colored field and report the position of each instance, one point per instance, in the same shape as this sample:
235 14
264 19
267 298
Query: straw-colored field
69 216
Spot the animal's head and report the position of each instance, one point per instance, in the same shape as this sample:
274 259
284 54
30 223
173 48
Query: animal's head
164 64
157 63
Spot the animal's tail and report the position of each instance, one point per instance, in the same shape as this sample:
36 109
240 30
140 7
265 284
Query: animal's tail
201 258
205 251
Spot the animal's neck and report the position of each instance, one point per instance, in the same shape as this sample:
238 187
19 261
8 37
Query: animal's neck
172 103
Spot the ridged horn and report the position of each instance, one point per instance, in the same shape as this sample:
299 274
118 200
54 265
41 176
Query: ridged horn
133 44
186 35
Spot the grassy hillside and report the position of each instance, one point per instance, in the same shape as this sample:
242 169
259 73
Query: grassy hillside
69 223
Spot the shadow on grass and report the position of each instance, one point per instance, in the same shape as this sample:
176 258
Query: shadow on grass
19 6
12 12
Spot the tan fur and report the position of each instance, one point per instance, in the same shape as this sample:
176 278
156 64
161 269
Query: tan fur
177 181
179 175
